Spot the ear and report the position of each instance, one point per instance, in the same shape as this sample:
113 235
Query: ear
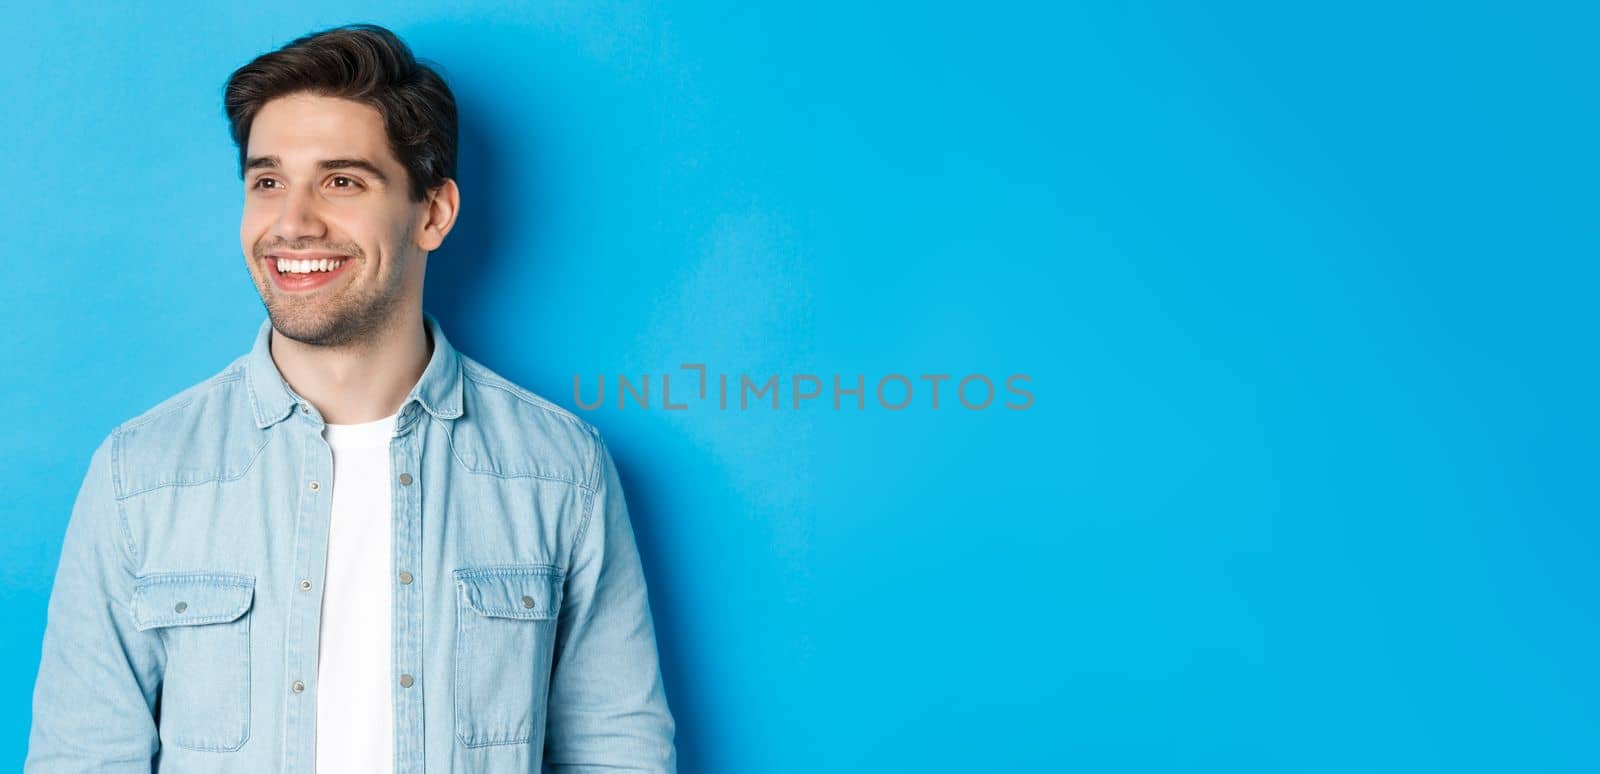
444 201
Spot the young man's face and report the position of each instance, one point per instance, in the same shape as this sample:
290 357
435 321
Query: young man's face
322 187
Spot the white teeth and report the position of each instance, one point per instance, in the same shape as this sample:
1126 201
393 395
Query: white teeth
295 266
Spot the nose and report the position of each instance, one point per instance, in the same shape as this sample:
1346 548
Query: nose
298 219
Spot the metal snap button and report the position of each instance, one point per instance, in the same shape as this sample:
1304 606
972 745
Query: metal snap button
405 681
405 577
405 479
527 601
181 606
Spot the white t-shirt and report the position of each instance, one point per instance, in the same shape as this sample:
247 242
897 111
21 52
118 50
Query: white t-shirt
355 695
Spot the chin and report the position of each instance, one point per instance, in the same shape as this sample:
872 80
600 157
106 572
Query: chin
314 329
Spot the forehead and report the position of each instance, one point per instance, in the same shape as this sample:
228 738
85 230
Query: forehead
303 128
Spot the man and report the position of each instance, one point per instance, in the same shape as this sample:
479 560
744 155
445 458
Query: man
354 549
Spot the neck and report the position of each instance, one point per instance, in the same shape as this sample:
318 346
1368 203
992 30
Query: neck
362 383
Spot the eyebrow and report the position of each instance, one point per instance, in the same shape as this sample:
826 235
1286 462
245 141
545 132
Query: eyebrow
272 162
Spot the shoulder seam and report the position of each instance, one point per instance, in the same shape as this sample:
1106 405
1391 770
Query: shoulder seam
115 464
589 496
486 380
234 372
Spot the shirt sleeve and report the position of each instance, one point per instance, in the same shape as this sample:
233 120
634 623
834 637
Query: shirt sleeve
98 675
607 709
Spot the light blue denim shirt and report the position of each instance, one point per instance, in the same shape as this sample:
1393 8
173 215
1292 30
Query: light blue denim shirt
182 628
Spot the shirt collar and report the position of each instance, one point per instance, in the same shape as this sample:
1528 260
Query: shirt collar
439 389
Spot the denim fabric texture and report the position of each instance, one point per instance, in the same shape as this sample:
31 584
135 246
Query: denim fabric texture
182 627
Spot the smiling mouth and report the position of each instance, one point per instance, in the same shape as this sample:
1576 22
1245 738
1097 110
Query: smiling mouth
304 274
306 266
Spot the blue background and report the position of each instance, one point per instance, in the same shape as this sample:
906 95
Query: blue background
1306 296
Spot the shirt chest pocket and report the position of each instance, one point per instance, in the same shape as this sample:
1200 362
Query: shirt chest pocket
505 639
202 620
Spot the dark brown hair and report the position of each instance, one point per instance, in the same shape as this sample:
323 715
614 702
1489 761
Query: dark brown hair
368 64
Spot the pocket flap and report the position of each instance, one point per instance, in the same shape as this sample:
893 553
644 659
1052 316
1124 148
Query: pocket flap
185 598
529 591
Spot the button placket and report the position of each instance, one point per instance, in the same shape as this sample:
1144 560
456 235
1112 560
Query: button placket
405 522
313 514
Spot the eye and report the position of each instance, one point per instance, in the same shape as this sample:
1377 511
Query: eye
260 180
349 183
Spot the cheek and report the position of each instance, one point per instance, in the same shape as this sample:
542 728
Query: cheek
367 231
252 227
